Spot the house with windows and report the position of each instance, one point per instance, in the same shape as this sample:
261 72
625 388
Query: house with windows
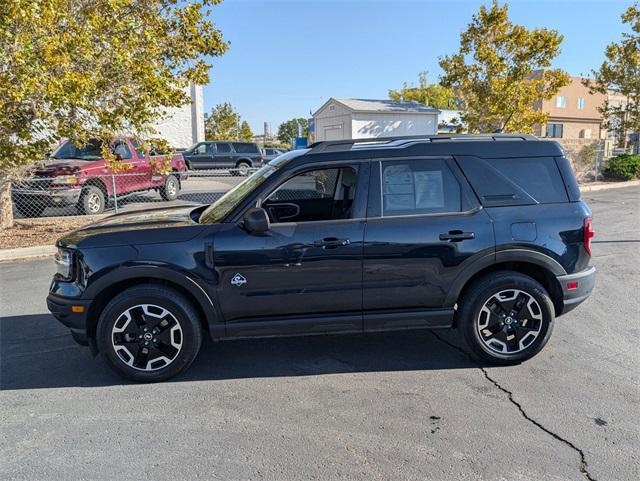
573 113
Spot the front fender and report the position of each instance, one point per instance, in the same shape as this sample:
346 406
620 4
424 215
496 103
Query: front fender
131 272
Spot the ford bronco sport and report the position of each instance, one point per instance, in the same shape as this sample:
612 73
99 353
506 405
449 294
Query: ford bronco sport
486 234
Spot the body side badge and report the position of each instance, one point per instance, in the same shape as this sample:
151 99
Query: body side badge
238 280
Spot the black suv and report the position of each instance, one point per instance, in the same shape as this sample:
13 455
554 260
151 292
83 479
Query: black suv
486 234
239 157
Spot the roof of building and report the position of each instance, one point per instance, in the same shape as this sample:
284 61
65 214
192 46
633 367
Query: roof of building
381 106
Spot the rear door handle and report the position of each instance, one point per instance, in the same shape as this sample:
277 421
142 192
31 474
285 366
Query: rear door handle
457 236
331 243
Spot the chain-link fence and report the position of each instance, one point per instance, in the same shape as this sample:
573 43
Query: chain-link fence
87 194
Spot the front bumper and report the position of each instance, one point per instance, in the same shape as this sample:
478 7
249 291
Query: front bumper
51 197
60 307
576 287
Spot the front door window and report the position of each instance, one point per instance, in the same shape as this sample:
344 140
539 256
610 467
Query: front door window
323 194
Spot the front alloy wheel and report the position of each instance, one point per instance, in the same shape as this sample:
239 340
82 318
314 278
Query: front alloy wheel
147 337
149 333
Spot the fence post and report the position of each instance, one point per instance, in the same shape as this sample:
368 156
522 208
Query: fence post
115 194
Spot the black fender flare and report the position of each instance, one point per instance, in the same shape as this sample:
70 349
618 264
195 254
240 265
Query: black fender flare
507 255
194 286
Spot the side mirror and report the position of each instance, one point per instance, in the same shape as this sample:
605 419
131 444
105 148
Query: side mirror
256 221
118 157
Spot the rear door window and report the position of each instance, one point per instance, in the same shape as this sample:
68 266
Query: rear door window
223 148
419 186
245 148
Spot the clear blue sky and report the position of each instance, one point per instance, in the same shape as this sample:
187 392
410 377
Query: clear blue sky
288 57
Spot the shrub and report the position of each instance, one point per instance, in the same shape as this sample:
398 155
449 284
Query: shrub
623 167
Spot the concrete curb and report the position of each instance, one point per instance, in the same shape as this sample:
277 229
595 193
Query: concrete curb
609 185
22 253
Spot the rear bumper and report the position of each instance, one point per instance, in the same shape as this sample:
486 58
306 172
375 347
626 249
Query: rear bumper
60 307
48 197
576 288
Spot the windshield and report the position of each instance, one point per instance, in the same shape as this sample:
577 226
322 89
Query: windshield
225 204
91 151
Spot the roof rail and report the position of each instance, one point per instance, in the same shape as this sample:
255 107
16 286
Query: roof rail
399 141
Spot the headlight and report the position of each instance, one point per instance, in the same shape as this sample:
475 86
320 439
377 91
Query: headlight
64 264
65 180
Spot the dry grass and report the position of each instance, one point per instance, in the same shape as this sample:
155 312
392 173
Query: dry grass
39 232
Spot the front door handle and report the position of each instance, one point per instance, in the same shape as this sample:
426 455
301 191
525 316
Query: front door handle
457 236
331 243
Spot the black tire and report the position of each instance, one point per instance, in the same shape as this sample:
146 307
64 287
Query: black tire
171 188
485 324
242 168
156 298
30 210
92 201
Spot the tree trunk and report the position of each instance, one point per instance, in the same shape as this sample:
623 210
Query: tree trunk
6 205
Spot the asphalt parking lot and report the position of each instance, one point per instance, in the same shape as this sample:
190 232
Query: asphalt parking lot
394 406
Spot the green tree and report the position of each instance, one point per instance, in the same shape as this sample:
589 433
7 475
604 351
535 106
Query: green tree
498 75
289 129
246 134
93 68
433 95
222 123
620 72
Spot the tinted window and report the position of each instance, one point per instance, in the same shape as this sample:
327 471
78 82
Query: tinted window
269 151
316 184
246 148
537 176
223 148
419 187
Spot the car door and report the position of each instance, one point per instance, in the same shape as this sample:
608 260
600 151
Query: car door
424 225
203 156
224 158
305 274
132 178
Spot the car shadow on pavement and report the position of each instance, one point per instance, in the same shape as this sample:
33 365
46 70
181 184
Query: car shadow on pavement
36 352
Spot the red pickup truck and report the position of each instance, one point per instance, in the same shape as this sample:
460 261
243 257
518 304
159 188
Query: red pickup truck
80 176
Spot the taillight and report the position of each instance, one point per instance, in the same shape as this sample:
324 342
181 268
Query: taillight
588 234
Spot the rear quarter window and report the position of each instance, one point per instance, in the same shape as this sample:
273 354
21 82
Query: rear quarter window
514 181
246 148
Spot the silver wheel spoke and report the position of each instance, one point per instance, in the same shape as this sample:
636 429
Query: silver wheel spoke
147 337
509 321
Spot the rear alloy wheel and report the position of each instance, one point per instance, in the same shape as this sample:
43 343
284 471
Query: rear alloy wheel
243 168
92 201
506 317
149 333
171 188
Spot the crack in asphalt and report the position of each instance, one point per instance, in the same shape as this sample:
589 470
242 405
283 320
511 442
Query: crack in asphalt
583 461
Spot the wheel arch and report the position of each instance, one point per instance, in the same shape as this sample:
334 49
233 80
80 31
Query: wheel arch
534 264
99 183
114 283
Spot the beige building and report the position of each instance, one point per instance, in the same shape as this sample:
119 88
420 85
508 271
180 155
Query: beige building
573 113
